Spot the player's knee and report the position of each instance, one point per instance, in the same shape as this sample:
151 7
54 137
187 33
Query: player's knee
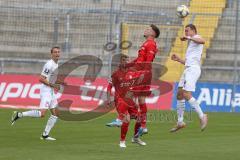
43 113
54 112
187 95
180 95
127 121
126 118
141 100
138 119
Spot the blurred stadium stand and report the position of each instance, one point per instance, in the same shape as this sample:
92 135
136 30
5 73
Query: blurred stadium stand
30 28
221 56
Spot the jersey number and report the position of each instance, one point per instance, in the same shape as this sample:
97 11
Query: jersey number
46 71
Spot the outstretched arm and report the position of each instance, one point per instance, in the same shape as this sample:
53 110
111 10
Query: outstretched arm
111 83
196 39
109 91
175 57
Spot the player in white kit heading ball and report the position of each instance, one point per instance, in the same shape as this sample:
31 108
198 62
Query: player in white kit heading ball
190 76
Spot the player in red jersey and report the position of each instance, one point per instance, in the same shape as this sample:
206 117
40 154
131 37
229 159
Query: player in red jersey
122 80
143 65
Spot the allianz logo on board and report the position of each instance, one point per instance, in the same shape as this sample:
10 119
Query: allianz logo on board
218 97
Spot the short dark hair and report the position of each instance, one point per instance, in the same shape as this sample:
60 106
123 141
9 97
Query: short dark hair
156 30
192 27
54 48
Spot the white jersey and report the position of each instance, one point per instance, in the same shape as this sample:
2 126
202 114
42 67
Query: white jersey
50 71
194 53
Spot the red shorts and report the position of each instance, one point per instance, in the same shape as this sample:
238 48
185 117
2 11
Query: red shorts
142 88
124 108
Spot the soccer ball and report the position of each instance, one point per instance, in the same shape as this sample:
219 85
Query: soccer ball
182 11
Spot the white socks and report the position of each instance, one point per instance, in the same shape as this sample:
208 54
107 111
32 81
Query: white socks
32 113
195 105
180 110
181 107
35 113
50 123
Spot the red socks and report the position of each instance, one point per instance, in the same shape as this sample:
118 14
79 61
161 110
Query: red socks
137 126
124 130
143 114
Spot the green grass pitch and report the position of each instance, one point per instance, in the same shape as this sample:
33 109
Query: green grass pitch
93 141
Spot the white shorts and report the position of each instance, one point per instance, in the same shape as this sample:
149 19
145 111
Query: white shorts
189 78
48 100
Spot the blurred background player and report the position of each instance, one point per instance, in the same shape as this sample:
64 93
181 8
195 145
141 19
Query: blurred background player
122 80
48 78
190 76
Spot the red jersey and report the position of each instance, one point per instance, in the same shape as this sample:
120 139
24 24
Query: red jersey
146 55
122 81
147 51
143 65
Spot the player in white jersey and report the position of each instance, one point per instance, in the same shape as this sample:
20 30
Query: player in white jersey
49 81
190 76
